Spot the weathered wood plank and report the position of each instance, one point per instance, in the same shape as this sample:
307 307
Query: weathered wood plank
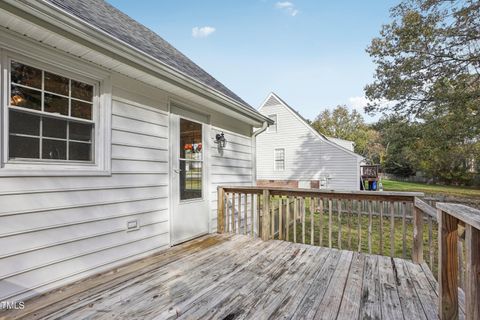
391 307
425 292
447 266
472 292
370 227
289 199
220 210
410 301
320 222
417 250
328 308
295 215
381 204
312 220
371 296
404 230
312 299
350 306
280 218
302 204
392 229
329 223
339 220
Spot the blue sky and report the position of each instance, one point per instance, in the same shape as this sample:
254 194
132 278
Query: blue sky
311 53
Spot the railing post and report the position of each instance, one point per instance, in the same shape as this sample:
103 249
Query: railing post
472 294
447 266
220 210
417 253
266 215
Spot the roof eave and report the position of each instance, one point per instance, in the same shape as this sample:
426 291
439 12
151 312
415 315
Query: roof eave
57 20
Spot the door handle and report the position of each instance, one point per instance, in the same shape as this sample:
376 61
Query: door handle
177 170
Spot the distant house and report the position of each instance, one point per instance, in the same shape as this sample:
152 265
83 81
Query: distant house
111 143
292 153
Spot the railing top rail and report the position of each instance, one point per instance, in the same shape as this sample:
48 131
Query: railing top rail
425 207
463 213
364 195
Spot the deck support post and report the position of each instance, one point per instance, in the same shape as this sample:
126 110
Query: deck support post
472 294
266 215
220 210
417 250
447 266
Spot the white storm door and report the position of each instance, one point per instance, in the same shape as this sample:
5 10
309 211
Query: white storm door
189 193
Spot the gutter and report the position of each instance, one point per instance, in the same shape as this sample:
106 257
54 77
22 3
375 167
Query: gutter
65 24
254 146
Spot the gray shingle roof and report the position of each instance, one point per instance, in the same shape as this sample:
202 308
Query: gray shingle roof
120 26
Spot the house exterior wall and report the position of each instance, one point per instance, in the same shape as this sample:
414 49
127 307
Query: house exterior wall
307 156
58 229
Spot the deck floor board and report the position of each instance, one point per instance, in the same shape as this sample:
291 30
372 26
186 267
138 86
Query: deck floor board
236 277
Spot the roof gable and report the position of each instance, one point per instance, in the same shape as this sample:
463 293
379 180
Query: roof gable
274 100
120 26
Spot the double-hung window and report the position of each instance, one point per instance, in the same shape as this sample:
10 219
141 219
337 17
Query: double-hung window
279 162
53 120
50 116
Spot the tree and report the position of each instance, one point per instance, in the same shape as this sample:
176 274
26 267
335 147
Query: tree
428 66
400 139
428 55
350 125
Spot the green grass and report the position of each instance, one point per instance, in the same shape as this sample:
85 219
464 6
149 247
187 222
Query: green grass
391 185
350 231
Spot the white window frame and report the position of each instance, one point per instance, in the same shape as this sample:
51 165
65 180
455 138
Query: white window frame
270 129
275 159
101 116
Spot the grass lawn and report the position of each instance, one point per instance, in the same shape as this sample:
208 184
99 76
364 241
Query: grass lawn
391 185
355 238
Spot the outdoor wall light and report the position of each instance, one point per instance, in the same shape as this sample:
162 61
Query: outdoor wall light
220 140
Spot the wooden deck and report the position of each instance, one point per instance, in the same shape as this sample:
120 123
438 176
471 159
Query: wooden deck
235 277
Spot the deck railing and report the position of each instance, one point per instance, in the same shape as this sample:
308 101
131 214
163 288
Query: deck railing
396 224
375 222
458 224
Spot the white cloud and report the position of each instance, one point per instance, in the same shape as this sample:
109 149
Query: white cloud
360 102
287 7
202 32
357 102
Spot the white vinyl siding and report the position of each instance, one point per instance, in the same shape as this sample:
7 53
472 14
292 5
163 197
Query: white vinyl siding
232 165
56 229
307 156
273 127
279 159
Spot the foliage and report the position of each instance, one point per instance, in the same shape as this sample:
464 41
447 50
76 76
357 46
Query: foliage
428 65
428 55
350 125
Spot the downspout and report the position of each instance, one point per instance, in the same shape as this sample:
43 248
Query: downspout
254 146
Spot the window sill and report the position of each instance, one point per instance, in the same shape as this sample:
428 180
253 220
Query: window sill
51 170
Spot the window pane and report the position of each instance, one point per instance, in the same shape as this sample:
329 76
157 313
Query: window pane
56 83
82 91
79 151
190 179
26 98
80 131
81 110
54 149
23 147
26 75
190 140
24 123
56 104
54 128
